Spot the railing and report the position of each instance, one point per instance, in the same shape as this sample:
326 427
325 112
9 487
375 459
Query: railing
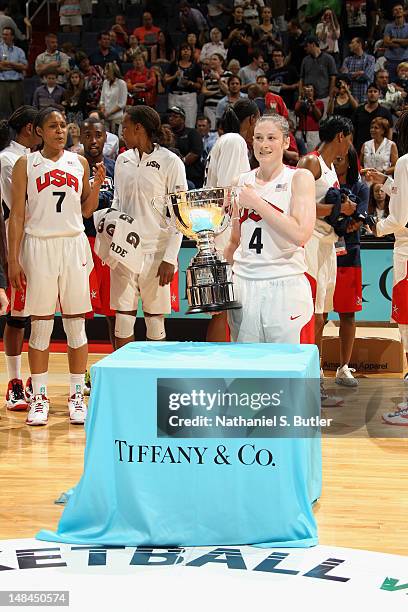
39 7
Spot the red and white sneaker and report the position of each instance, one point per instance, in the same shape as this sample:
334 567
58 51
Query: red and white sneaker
77 409
399 417
15 399
28 391
39 408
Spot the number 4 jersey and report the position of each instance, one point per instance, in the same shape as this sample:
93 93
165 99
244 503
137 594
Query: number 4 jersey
54 191
263 253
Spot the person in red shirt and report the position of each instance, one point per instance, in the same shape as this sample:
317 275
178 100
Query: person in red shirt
309 112
141 82
273 102
148 33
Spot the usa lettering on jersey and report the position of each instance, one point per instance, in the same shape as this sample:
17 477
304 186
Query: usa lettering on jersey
57 178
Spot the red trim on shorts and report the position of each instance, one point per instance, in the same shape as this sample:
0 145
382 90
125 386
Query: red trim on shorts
99 285
174 292
307 333
313 286
400 301
348 294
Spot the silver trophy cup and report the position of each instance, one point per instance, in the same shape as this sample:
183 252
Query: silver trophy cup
202 214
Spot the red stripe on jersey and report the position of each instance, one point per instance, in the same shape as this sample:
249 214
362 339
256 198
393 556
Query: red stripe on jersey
174 293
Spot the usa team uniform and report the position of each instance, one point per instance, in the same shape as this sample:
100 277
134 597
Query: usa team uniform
395 224
55 254
269 274
319 250
137 182
226 161
101 304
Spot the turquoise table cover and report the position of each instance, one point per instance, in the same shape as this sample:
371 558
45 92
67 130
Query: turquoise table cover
191 503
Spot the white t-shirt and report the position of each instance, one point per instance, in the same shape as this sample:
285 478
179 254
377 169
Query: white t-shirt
263 253
226 161
54 190
328 178
137 181
8 158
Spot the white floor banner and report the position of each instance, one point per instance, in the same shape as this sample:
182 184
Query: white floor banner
34 573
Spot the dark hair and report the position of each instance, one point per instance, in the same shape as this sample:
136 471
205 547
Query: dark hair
352 175
203 118
184 45
15 123
104 33
360 40
236 114
43 115
402 133
169 45
333 125
93 121
255 53
373 86
9 28
372 205
98 112
234 76
148 118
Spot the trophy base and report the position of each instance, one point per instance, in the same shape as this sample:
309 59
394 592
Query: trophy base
209 308
209 287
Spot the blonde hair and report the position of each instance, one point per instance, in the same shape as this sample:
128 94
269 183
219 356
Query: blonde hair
402 65
278 120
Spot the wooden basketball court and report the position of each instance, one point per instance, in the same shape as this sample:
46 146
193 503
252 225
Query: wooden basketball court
364 502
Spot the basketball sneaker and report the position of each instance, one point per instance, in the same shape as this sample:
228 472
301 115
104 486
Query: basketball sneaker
87 386
399 417
28 391
77 409
15 399
344 376
38 413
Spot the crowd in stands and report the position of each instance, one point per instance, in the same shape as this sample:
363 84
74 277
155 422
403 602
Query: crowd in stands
303 61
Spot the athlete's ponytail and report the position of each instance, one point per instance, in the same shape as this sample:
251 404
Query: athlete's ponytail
149 119
15 123
235 115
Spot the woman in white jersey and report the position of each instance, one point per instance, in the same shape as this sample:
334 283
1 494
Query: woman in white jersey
227 160
144 171
50 257
267 243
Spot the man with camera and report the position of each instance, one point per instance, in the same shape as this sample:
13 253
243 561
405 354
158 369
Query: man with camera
309 111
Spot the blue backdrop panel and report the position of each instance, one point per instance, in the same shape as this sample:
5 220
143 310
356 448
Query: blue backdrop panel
191 504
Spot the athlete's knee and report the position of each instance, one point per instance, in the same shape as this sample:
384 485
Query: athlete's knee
74 329
124 325
40 336
155 329
16 322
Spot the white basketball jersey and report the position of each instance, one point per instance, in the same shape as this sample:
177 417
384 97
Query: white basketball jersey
54 191
328 178
263 253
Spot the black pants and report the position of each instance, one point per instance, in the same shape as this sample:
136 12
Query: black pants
11 97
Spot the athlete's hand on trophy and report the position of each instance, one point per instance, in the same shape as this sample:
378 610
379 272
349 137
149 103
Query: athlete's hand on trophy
99 173
248 198
16 276
3 302
165 272
372 175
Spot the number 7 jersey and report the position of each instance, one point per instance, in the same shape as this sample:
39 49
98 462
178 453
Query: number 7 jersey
54 190
263 253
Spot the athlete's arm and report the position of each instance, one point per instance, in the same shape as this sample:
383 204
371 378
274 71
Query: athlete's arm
90 195
398 217
296 227
309 162
16 222
235 236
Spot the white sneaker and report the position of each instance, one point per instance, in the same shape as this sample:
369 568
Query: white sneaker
344 376
38 413
77 409
399 417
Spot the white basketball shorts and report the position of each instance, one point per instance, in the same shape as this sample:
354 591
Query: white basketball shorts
275 310
126 290
55 269
321 265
